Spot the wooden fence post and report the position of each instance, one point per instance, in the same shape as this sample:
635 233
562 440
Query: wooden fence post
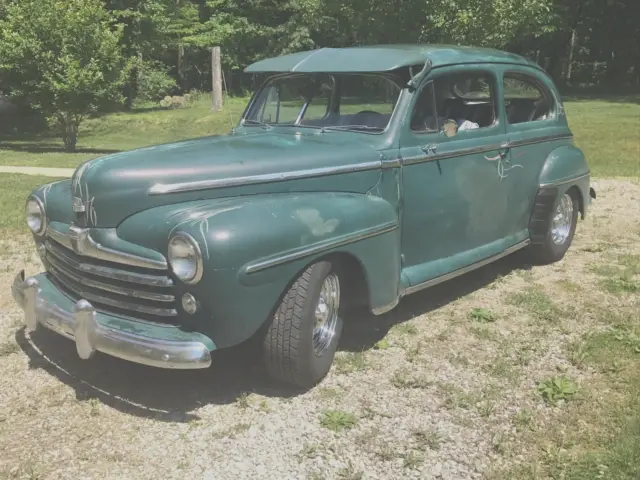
216 79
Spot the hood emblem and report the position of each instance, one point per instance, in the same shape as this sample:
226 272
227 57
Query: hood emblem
78 205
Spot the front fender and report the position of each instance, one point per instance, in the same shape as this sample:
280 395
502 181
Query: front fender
254 246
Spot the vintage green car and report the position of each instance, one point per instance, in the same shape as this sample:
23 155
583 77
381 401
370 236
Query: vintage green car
355 176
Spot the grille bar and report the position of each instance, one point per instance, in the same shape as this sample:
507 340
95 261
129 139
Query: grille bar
146 293
108 272
159 297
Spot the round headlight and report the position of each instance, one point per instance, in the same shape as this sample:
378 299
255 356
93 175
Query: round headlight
185 258
36 218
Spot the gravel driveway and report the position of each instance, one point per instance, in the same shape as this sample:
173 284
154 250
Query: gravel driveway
434 389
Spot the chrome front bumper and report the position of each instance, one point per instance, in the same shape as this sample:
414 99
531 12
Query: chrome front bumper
82 326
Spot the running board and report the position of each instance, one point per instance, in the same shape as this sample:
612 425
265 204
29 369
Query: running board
462 271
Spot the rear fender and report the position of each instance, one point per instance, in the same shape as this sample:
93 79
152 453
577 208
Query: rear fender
565 169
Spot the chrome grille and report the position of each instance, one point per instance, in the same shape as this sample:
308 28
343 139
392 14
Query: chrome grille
111 287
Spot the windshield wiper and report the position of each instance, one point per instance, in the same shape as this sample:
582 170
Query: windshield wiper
255 123
351 127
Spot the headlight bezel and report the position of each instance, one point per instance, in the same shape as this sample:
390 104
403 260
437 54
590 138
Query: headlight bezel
43 215
191 242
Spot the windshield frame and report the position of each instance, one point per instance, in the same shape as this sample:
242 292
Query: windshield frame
393 77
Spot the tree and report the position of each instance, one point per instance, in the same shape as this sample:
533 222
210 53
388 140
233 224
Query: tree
62 57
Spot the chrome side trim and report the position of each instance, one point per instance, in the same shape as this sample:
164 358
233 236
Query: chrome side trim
298 253
455 153
89 335
163 189
79 240
108 272
467 269
545 138
564 181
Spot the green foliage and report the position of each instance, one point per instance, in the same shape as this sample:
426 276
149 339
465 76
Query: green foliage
63 58
482 315
337 420
154 82
557 388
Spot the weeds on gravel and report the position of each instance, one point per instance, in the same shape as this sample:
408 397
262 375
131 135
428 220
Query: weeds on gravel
337 420
381 344
482 315
413 353
405 329
404 378
350 472
523 420
537 303
413 460
350 362
557 388
427 439
7 348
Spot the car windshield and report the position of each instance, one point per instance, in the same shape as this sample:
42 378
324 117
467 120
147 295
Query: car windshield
360 102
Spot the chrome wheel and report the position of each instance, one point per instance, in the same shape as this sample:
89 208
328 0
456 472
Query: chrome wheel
326 317
562 220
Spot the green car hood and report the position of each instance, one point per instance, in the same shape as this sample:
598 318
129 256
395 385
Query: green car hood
114 187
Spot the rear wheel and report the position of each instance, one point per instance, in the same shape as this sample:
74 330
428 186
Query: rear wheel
560 232
301 340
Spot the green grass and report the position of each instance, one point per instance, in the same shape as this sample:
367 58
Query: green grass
14 190
124 131
608 130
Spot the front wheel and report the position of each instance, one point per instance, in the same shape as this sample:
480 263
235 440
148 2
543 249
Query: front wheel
560 232
302 338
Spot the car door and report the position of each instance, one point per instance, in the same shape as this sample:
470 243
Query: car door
454 204
536 125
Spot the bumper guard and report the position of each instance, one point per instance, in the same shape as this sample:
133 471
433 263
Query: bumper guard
81 325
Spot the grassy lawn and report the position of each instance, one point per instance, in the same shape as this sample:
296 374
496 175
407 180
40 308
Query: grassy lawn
14 190
608 130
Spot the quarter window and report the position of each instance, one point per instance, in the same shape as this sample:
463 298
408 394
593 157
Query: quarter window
524 100
455 103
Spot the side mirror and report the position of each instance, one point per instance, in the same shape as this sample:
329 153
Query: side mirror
450 128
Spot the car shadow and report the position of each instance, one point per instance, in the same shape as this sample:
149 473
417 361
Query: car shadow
173 395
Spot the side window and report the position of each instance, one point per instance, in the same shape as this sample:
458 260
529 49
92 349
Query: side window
455 103
524 100
423 118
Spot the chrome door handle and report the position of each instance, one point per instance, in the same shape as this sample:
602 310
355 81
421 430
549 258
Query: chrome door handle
431 148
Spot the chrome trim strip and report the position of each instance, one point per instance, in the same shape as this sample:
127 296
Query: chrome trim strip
545 138
391 163
320 247
565 181
90 336
79 240
108 272
463 270
455 153
163 189
55 264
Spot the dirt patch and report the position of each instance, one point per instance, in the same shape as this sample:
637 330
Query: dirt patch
445 386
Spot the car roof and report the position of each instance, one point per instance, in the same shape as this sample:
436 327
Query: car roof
383 58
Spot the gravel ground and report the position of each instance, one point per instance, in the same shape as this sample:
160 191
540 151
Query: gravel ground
421 392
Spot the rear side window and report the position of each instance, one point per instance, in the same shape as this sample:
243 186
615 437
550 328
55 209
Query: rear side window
525 100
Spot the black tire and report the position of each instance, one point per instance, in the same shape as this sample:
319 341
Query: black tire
552 250
288 344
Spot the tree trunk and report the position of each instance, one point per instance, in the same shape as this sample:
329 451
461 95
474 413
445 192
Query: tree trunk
572 44
181 67
69 124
